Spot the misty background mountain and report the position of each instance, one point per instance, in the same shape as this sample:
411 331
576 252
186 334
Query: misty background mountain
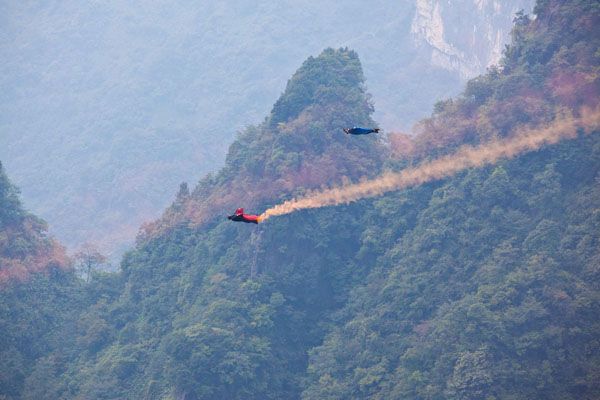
107 107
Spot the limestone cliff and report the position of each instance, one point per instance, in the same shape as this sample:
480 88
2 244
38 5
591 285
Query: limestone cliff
464 39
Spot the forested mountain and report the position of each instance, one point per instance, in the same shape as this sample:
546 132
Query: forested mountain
37 291
480 286
25 247
106 107
490 288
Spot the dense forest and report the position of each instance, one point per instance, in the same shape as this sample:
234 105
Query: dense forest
485 285
37 291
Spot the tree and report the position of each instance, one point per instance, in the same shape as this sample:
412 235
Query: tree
88 259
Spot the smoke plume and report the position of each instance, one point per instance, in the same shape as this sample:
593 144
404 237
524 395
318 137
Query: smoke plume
526 140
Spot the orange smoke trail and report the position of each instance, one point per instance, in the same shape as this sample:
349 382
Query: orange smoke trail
564 127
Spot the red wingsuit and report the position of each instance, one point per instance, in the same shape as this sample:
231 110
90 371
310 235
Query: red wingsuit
240 216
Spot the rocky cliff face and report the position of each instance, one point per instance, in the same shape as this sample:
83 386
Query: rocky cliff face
439 29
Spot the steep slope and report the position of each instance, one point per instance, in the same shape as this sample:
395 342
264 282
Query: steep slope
38 292
492 289
25 247
106 108
440 33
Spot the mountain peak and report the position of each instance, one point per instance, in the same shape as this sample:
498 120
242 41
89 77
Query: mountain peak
300 147
334 73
